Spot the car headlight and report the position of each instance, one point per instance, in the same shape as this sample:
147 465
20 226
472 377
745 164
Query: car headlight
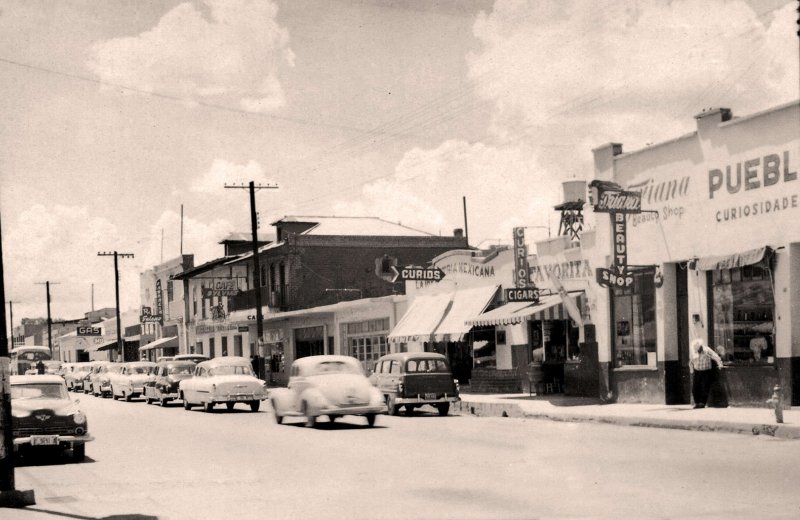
79 417
20 413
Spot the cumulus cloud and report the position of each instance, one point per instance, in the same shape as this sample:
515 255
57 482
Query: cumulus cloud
564 79
224 172
235 53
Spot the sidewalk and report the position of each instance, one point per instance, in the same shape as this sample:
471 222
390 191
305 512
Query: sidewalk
749 421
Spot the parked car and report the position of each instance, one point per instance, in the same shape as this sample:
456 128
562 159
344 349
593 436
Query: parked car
65 369
327 385
75 377
226 379
98 378
88 379
44 416
164 388
52 367
129 381
413 379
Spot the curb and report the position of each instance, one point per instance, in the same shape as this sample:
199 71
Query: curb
511 409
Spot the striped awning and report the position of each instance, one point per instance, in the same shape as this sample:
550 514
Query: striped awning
741 259
549 308
467 303
169 342
421 319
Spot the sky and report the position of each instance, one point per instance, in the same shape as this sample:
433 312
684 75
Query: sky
118 115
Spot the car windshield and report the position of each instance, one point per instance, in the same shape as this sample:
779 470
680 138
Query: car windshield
181 370
142 370
426 365
83 369
335 367
39 391
231 370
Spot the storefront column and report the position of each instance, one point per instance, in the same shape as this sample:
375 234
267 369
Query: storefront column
787 322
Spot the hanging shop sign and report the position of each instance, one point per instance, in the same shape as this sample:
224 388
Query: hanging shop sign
524 289
89 331
609 197
412 273
147 316
159 298
221 288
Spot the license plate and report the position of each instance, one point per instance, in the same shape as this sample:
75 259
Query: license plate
242 397
430 396
44 440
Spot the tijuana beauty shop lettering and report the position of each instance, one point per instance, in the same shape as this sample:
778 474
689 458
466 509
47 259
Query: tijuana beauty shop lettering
752 174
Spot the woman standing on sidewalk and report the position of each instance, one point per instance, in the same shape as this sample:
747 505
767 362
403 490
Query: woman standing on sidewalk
701 364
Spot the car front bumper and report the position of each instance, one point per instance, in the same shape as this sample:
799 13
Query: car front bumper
62 440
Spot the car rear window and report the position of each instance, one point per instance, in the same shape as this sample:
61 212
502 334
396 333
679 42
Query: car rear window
231 370
335 367
426 365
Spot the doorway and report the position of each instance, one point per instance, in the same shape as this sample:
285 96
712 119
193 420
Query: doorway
677 380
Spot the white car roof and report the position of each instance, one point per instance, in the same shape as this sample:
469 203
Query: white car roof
314 360
224 361
32 379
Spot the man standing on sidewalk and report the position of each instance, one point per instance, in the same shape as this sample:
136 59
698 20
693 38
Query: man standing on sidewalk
701 364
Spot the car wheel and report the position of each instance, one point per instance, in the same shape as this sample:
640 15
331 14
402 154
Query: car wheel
163 402
148 400
444 408
230 406
79 452
409 410
278 417
332 418
208 407
311 421
371 419
390 404
255 405
186 405
127 396
113 394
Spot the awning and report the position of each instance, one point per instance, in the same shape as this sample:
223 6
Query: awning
549 308
170 342
421 319
108 345
467 304
750 257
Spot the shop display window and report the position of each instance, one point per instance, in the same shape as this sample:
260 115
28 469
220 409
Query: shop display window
634 322
742 312
367 340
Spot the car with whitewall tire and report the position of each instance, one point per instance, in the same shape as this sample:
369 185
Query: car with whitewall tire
168 375
129 381
224 380
329 385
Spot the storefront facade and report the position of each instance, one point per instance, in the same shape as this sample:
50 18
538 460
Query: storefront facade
714 254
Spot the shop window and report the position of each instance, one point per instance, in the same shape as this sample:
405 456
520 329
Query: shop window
634 322
211 347
237 345
367 340
742 309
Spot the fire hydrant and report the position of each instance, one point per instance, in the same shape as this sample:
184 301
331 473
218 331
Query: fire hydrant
776 402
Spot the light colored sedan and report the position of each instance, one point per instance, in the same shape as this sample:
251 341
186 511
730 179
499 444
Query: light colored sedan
327 385
129 381
226 379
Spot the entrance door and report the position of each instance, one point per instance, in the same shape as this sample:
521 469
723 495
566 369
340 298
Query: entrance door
309 342
676 373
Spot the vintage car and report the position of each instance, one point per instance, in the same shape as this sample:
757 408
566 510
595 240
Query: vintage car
43 415
327 385
413 379
88 379
164 388
76 376
52 367
128 382
99 379
226 379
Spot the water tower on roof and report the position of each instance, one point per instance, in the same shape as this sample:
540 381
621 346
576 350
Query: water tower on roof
572 209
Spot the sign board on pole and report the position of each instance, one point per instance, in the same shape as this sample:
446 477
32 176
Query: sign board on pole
89 331
410 273
525 294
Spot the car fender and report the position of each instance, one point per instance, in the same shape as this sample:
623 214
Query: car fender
315 398
283 400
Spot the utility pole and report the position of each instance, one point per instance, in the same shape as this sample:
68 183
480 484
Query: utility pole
49 321
9 496
11 322
256 267
116 256
466 227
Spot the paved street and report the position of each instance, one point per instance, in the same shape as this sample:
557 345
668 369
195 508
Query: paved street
174 464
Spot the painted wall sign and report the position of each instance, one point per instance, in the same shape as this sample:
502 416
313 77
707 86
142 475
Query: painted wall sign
221 288
572 270
751 174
